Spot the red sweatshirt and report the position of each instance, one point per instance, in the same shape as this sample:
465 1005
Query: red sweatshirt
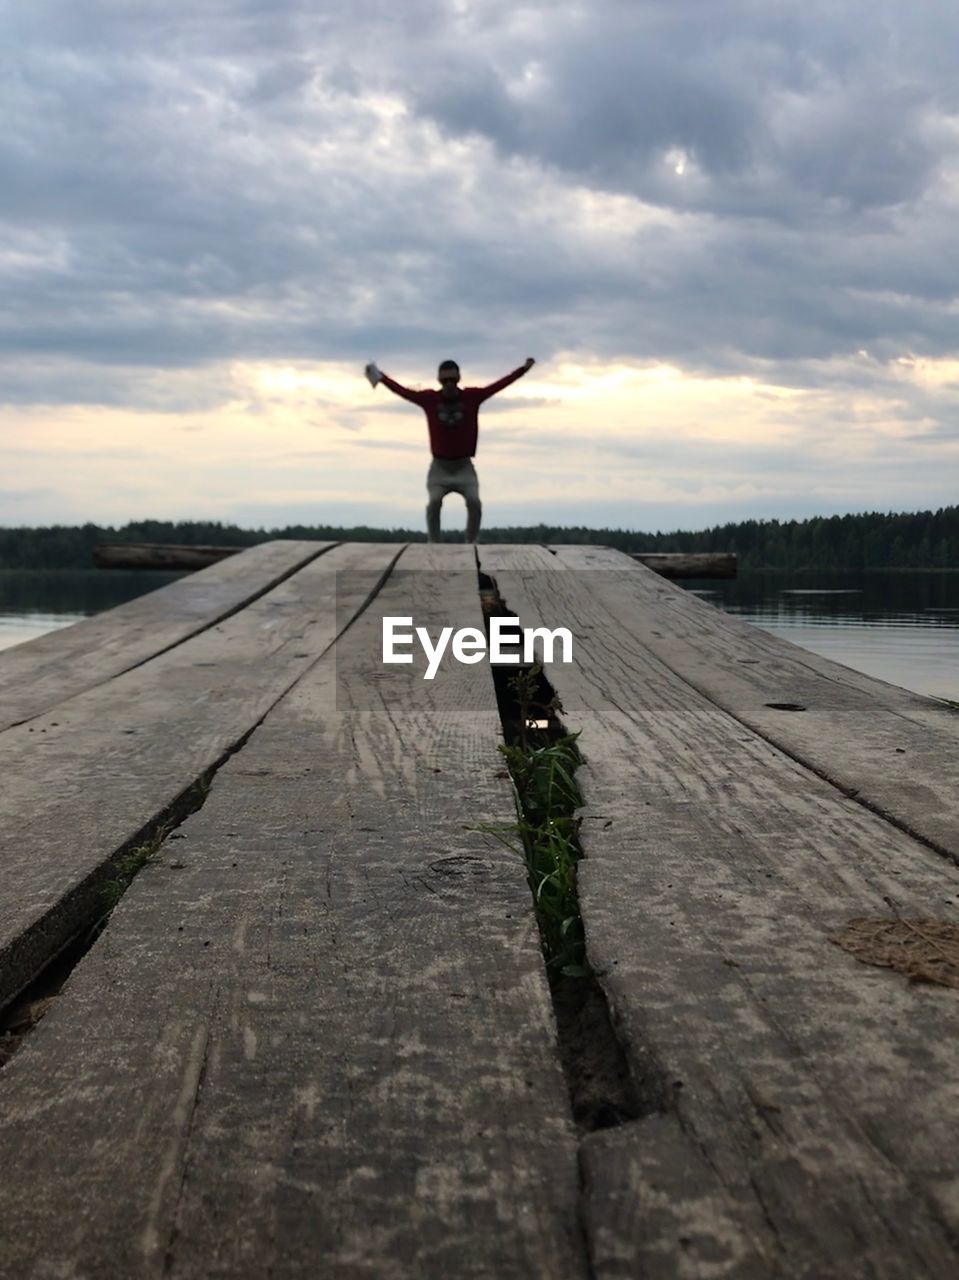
453 423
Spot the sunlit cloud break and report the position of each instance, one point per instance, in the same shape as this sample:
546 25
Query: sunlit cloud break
727 235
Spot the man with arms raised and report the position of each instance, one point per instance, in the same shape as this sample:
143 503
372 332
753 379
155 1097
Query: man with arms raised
452 414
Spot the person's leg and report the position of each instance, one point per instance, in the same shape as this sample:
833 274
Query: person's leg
436 490
433 518
474 508
474 514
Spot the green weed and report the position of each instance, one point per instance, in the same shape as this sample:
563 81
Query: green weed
547 798
132 860
201 789
128 864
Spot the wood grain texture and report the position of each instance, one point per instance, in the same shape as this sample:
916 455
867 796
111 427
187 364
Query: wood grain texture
655 1208
693 564
158 555
81 781
897 751
322 1038
803 1096
39 674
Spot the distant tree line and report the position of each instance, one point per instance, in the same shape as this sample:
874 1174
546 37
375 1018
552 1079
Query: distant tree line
923 539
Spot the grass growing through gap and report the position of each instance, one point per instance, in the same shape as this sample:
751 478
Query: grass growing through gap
541 768
126 867
129 863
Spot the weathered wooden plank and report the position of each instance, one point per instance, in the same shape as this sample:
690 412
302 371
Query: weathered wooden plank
668 564
896 751
158 555
655 1208
83 780
802 1095
327 1047
698 564
40 673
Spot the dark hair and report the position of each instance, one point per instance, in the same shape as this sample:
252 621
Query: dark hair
448 364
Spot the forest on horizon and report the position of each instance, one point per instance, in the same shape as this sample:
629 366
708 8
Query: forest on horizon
872 540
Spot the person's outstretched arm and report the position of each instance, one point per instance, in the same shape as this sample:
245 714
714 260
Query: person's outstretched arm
491 390
376 375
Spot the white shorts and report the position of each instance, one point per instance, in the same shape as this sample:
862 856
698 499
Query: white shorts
452 475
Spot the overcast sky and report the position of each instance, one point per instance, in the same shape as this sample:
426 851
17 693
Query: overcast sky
726 229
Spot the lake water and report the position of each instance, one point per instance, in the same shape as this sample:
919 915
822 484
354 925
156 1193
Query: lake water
35 601
901 627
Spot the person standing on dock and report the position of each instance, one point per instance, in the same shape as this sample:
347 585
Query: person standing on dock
452 414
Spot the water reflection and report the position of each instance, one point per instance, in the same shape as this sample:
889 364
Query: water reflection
15 630
33 602
899 627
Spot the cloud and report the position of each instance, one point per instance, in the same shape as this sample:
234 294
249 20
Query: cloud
730 188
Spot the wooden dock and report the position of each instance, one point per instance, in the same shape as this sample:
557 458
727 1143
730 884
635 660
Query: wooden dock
316 1037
